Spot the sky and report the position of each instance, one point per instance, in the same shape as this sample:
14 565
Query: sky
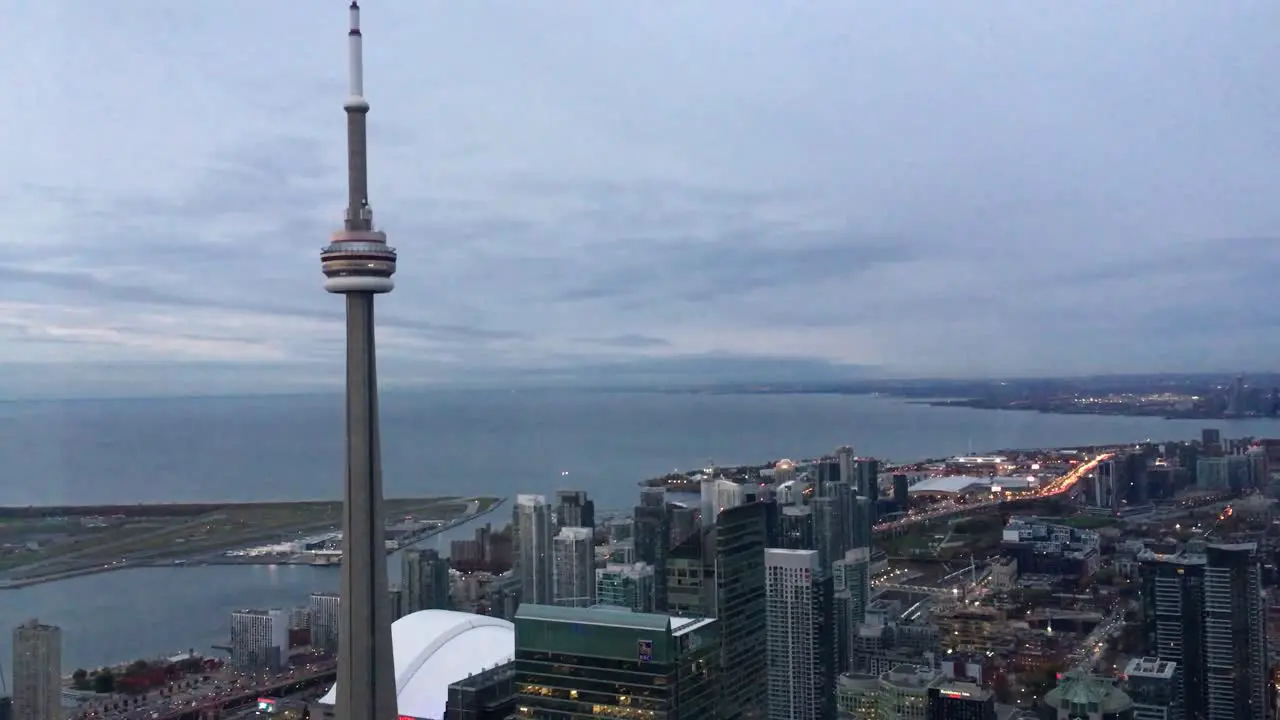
755 188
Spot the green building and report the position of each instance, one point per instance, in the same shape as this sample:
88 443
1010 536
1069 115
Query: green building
606 662
628 586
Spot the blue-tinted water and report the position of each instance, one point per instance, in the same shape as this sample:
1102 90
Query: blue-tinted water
445 443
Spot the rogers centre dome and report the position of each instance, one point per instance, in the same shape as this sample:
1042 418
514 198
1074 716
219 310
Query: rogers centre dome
434 649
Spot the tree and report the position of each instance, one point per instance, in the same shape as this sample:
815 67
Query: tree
104 682
80 679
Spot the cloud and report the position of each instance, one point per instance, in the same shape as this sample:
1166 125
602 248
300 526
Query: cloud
978 189
627 341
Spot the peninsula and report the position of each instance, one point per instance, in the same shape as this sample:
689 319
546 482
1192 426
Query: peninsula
1188 396
39 544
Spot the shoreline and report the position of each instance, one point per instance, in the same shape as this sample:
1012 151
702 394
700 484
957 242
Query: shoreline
978 404
222 560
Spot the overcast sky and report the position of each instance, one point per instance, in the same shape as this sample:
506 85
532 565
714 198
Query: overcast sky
913 188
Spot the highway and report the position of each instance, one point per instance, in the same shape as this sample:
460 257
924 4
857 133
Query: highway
226 692
1058 486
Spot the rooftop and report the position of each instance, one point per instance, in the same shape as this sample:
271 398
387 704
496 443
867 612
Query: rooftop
610 616
910 676
1078 688
1150 667
434 649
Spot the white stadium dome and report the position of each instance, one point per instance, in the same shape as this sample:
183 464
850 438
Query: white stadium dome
434 649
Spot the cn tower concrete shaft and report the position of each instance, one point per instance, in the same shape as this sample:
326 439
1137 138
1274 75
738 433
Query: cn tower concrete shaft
366 671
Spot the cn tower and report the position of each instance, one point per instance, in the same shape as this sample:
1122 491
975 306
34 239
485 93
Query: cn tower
359 264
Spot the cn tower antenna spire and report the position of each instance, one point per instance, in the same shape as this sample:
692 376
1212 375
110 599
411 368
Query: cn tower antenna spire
359 214
359 264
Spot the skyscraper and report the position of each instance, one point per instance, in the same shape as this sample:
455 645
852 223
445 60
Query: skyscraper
531 547
37 671
901 491
1203 611
426 581
844 457
260 639
629 586
573 568
720 572
827 529
851 587
359 264
651 535
867 477
801 678
324 609
575 509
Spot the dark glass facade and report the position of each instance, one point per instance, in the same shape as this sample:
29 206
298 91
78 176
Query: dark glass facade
489 695
956 704
593 662
739 545
651 534
721 574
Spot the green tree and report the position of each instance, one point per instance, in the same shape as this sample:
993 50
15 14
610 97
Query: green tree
104 682
80 679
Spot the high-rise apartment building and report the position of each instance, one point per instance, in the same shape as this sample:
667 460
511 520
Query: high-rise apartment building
573 570
426 581
260 639
801 657
827 529
901 491
37 671
1204 612
610 662
1151 685
628 586
845 459
531 547
575 509
851 586
825 473
863 520
323 609
796 527
867 478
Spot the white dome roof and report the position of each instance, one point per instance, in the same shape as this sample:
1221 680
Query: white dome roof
434 649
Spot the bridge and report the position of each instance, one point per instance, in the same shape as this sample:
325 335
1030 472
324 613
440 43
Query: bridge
213 708
913 589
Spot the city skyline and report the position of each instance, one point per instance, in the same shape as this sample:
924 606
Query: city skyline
861 186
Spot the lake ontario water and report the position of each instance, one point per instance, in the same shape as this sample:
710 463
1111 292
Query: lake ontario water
434 443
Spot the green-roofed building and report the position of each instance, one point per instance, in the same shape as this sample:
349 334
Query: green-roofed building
1081 695
609 662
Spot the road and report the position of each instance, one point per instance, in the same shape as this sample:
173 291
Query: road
1058 486
1091 650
